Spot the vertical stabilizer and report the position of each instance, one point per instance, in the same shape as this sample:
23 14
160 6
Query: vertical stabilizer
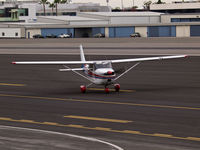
82 53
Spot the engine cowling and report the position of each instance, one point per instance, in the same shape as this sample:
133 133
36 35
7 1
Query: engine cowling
109 73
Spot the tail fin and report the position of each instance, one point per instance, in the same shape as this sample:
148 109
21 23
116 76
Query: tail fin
82 53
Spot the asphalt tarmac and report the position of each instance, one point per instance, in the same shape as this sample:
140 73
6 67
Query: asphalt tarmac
158 107
103 46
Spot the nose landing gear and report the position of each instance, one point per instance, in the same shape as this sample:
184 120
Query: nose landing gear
107 90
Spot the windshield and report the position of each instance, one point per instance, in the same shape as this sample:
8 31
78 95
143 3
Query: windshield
103 65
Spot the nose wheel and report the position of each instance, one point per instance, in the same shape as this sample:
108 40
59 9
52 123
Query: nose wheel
107 90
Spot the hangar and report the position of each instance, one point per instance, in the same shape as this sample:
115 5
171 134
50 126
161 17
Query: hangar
111 24
87 24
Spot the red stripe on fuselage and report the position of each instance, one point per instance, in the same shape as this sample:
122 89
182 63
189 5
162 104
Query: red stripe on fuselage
99 76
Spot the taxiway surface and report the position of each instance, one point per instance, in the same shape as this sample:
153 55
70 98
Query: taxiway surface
158 108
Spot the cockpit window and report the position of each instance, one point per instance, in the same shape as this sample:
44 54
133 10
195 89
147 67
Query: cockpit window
103 65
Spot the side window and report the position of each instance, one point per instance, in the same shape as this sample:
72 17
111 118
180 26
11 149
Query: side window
91 67
3 34
16 33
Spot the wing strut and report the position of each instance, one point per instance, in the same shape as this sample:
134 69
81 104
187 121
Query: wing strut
126 71
77 73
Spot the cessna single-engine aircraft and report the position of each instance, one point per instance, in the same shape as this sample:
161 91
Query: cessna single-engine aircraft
99 72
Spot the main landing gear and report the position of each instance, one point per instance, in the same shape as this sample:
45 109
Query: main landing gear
83 88
116 86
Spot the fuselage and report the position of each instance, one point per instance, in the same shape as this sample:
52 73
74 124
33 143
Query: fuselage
101 76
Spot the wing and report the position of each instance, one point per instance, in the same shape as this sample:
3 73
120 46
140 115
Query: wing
92 62
147 59
52 62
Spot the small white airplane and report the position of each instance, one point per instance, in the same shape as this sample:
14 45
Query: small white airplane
99 72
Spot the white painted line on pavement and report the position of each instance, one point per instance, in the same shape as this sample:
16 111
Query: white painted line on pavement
65 134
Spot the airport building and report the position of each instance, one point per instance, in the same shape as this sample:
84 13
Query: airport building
18 11
185 6
110 24
71 9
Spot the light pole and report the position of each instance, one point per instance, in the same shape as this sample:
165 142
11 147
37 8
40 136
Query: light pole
122 4
107 1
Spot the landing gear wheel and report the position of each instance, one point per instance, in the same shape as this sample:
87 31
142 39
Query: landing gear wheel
107 90
83 88
117 87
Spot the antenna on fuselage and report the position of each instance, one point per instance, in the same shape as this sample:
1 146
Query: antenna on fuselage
82 53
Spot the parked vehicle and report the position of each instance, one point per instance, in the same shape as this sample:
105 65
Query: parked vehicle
99 35
36 36
65 35
51 36
136 34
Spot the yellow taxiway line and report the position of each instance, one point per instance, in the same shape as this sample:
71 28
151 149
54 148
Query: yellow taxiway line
10 84
102 102
98 119
103 129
